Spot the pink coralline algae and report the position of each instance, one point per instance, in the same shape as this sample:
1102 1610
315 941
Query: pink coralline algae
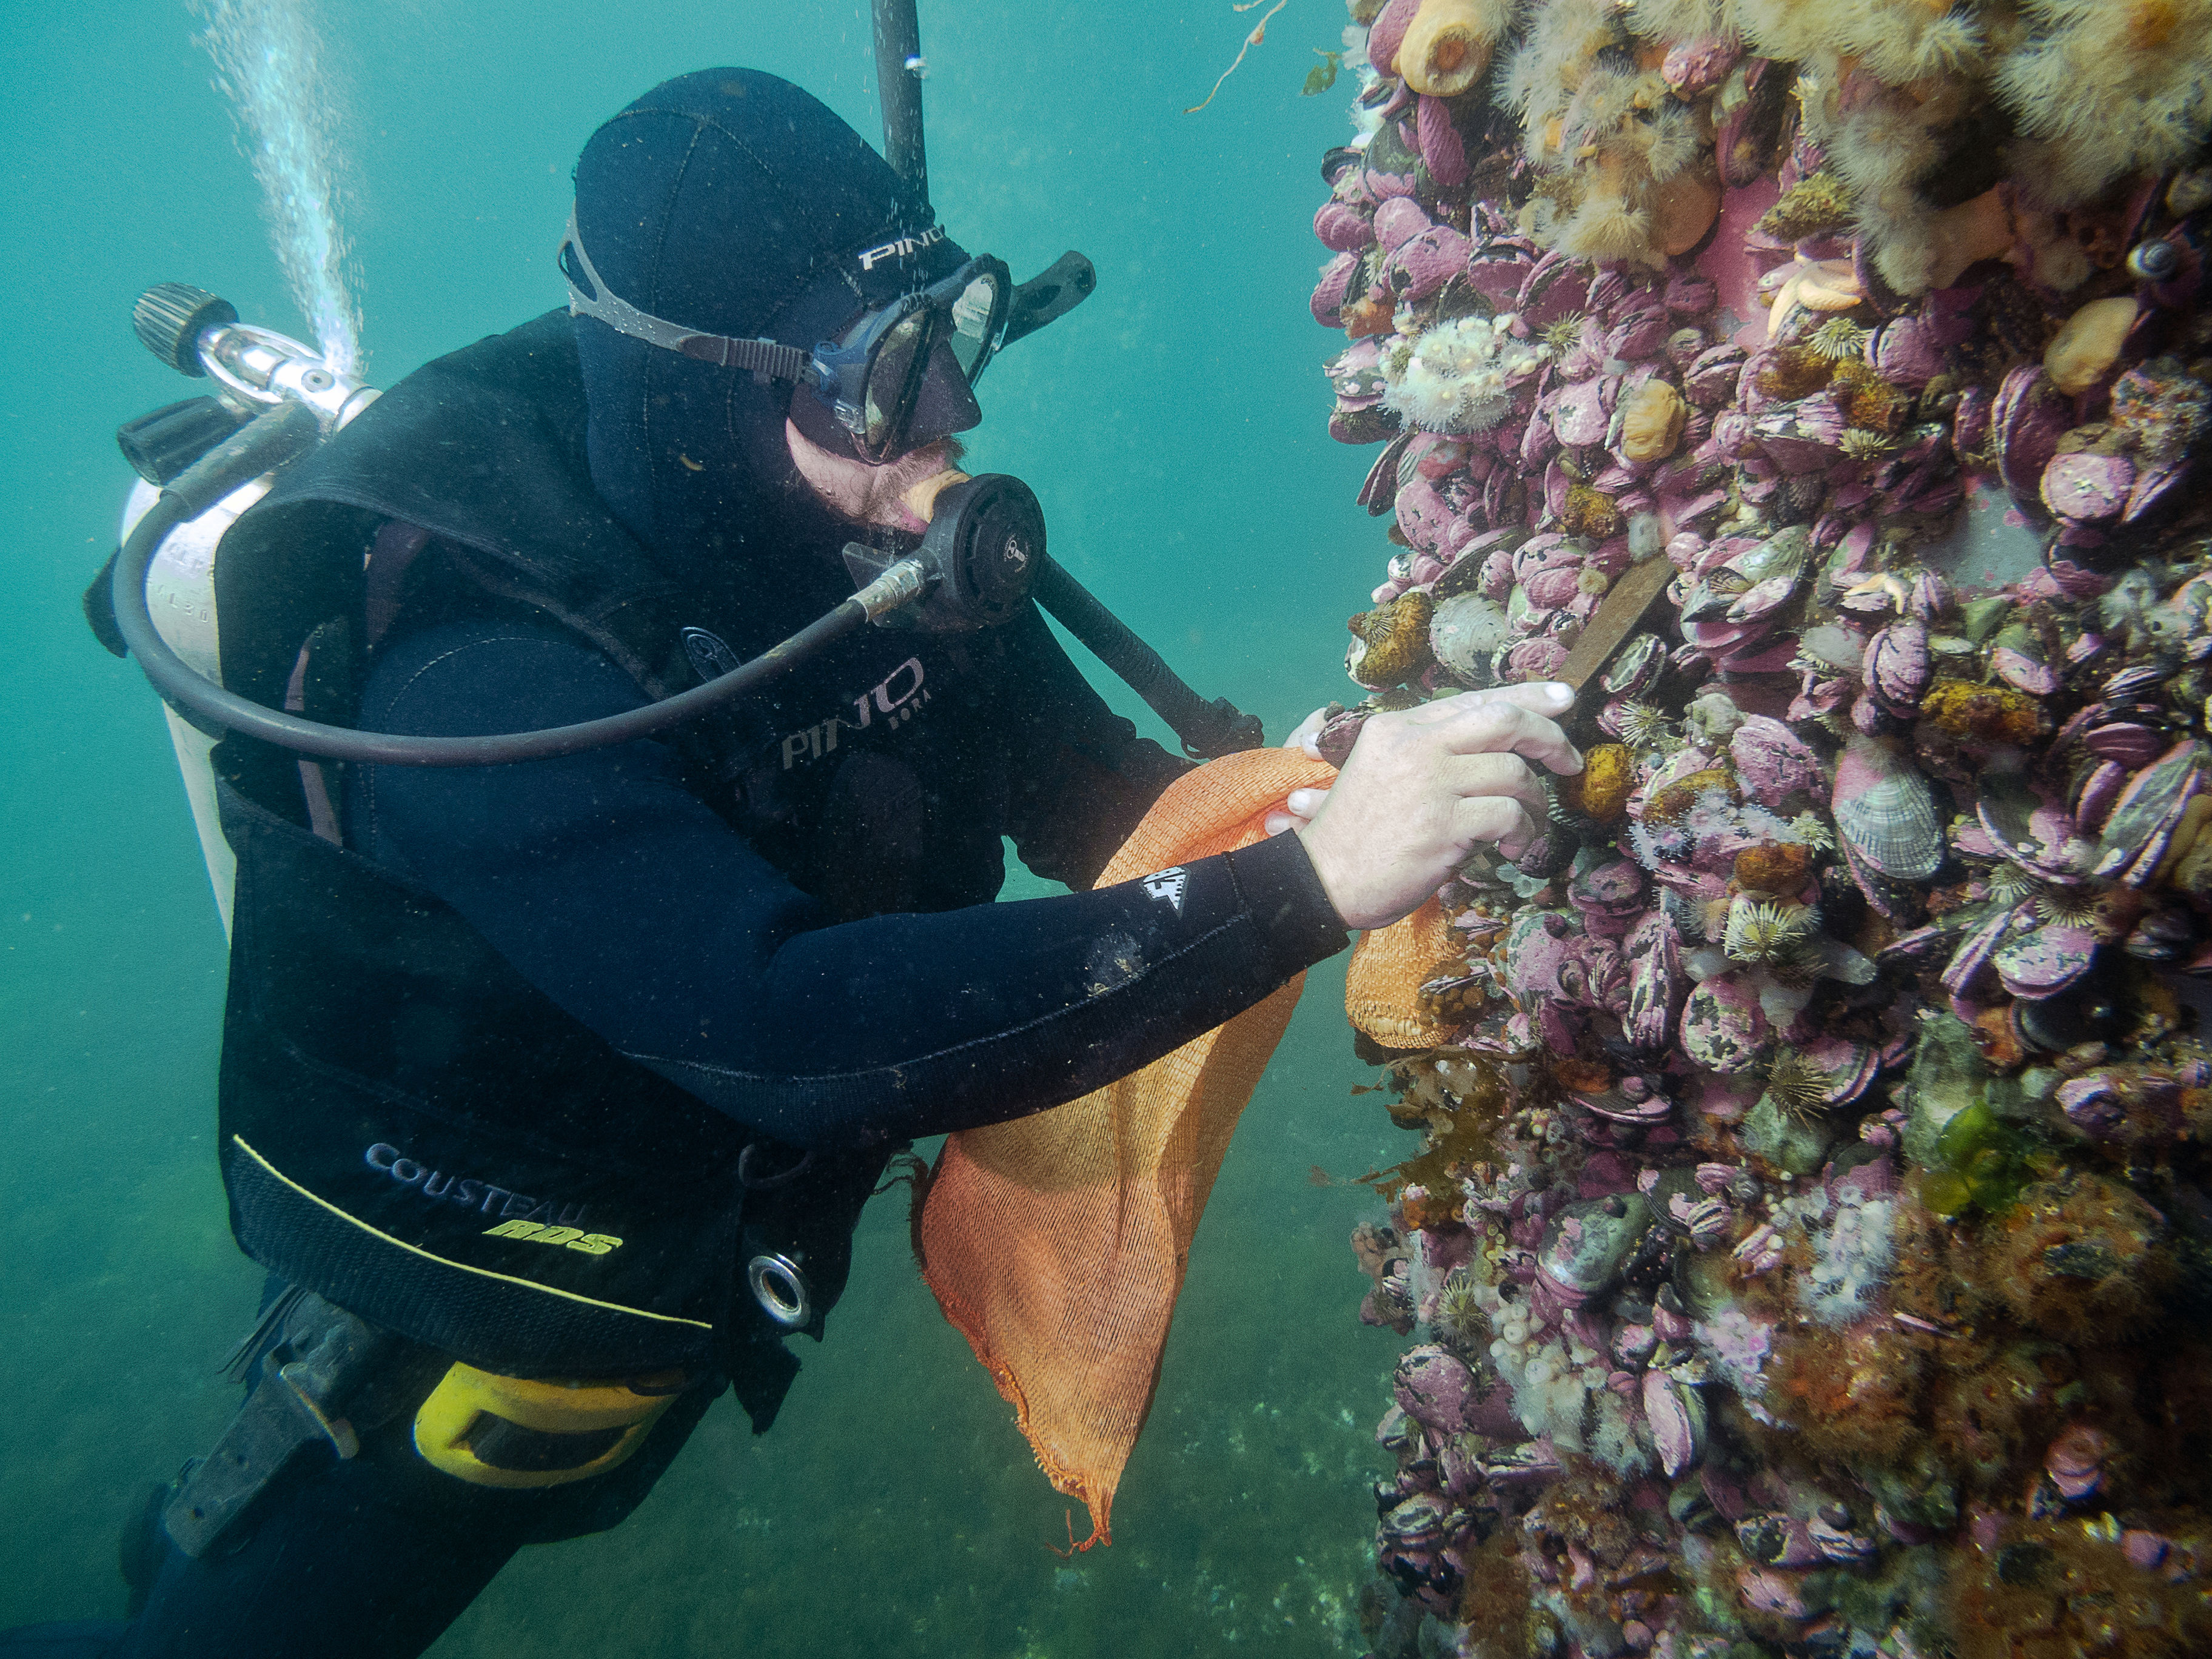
1806 1251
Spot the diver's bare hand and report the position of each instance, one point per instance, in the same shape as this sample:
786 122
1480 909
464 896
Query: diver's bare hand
1423 788
1297 811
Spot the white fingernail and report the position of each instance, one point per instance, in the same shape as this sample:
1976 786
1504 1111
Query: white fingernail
1557 692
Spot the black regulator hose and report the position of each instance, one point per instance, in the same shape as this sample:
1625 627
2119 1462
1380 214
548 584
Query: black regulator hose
977 554
1208 730
281 436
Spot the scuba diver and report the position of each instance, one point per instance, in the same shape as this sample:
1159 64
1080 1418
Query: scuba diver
582 1068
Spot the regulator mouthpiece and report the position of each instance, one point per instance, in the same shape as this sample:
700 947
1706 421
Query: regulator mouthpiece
198 333
983 548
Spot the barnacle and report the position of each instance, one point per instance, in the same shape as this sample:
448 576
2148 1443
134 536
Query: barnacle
1817 204
1757 930
1837 338
1862 445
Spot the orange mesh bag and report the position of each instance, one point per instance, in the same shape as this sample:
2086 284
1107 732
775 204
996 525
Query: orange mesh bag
1382 987
1056 1244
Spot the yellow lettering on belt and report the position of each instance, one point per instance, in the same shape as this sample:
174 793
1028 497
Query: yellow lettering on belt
538 1233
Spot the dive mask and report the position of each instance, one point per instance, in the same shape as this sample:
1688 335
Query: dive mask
899 377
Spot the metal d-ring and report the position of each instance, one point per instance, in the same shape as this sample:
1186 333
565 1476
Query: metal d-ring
780 1289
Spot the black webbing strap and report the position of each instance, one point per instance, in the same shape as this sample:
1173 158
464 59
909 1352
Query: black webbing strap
766 360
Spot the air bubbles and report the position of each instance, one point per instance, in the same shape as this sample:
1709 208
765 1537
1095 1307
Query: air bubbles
268 64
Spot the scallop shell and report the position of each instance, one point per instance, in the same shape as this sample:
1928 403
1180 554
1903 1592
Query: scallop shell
1884 810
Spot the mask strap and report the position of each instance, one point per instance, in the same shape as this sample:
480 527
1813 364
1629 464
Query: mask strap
590 296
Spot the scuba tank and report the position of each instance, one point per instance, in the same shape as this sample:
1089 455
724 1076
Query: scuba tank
254 370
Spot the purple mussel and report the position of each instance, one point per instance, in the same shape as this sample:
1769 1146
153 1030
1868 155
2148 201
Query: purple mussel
1437 1390
1777 561
1676 1417
1723 1028
1773 765
2140 832
2029 417
2087 488
1898 666
1657 984
2033 831
1586 1245
2041 962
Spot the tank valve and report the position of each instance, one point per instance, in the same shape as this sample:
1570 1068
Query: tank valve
196 332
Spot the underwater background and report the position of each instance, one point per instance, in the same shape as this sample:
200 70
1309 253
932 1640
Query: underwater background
1173 429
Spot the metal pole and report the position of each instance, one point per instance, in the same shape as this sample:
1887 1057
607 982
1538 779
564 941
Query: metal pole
898 43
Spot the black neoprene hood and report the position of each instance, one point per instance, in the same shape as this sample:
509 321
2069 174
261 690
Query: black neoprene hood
732 202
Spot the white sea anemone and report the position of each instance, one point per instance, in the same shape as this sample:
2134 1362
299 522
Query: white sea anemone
2112 87
1458 376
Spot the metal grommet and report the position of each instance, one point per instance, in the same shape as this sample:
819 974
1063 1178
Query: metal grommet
780 1289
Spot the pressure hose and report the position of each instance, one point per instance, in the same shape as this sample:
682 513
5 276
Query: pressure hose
282 434
1208 730
983 552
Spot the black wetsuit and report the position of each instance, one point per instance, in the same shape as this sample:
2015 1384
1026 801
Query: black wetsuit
722 958
643 912
787 916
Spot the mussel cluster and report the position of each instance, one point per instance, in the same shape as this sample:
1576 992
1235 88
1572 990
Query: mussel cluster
1812 1239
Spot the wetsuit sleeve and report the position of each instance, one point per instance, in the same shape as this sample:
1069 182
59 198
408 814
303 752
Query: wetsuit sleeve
1083 778
644 916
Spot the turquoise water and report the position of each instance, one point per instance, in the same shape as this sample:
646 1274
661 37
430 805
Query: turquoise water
1174 430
